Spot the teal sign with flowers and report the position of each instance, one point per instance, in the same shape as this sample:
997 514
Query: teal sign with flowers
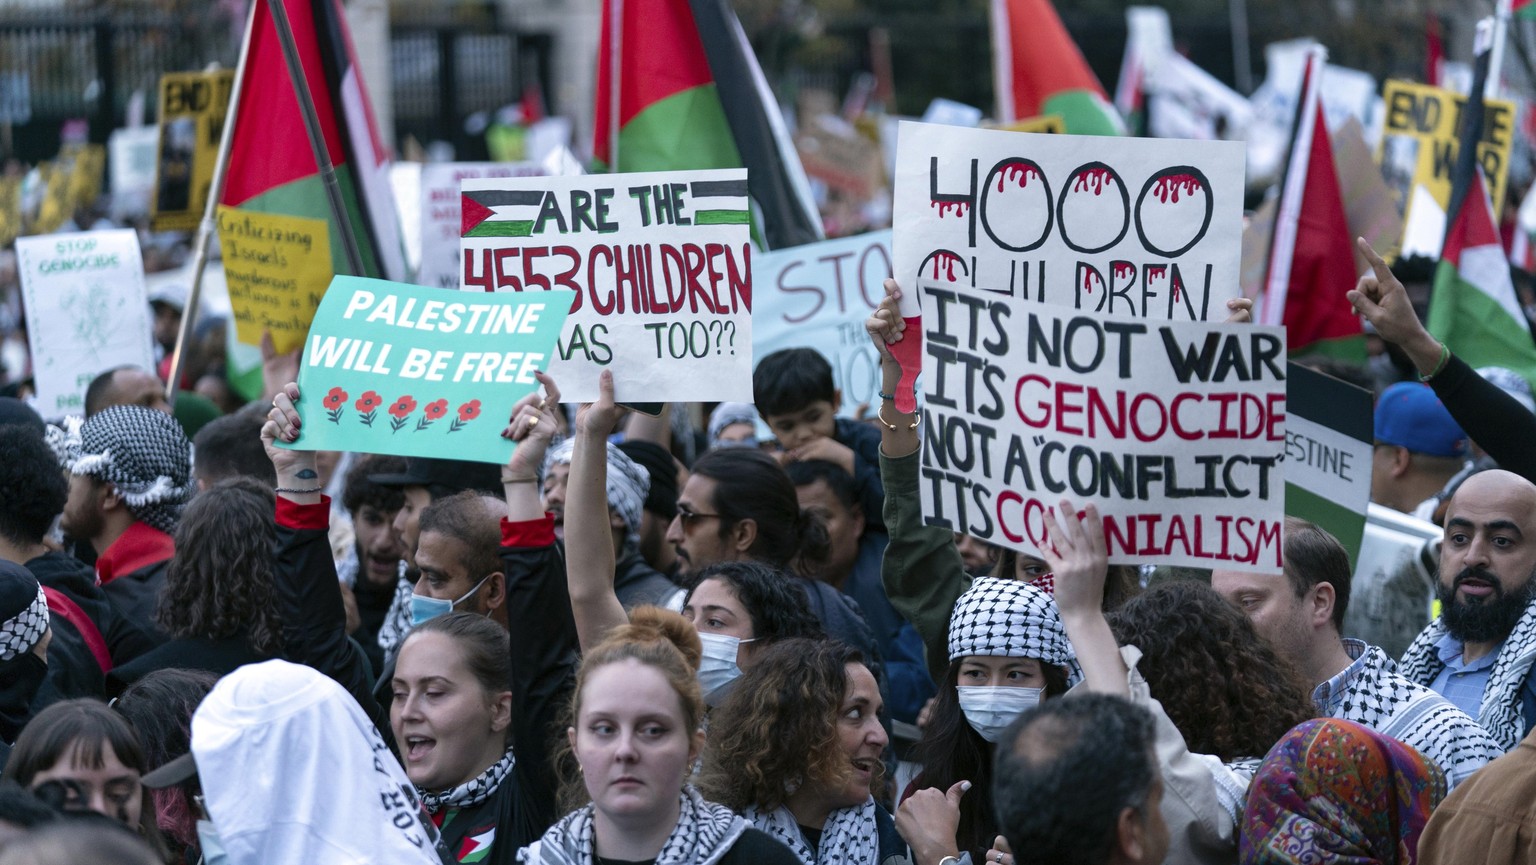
390 368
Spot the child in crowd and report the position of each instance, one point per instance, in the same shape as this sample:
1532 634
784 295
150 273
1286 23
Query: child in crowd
794 392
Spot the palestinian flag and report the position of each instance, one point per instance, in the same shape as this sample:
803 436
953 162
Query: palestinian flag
271 164
690 95
1311 262
1524 9
1039 70
1473 308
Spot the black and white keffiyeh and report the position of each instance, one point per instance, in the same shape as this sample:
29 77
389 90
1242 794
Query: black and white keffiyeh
471 792
1500 713
23 627
1010 619
628 483
141 452
397 622
704 832
850 837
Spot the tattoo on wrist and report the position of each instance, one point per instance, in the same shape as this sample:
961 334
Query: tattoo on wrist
308 474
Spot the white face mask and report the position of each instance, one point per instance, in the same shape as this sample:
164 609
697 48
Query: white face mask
212 845
718 670
989 709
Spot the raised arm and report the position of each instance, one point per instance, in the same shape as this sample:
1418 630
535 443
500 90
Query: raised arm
588 538
1080 561
531 428
922 571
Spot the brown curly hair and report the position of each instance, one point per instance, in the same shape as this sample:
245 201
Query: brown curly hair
1223 687
657 638
219 584
777 732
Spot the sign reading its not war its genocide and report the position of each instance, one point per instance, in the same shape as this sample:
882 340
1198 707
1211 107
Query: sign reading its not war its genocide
1112 226
192 110
661 264
440 216
277 267
86 312
1419 141
818 296
400 369
1329 437
1174 430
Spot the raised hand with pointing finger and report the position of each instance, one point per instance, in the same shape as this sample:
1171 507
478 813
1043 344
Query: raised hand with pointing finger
1381 298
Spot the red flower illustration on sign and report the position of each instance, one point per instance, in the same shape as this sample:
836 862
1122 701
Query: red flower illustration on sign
434 410
467 412
367 406
332 403
401 410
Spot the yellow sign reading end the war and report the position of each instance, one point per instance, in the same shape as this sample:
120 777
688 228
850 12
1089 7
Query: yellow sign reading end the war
277 268
1420 139
193 106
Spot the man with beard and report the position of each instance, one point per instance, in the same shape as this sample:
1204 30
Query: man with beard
1479 653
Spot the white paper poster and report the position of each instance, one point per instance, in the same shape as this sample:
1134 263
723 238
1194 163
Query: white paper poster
86 312
661 263
440 215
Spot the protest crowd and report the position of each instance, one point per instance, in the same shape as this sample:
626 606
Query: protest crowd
1073 542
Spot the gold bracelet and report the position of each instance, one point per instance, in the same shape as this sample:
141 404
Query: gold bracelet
880 413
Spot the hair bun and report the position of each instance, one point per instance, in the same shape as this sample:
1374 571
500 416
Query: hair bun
648 622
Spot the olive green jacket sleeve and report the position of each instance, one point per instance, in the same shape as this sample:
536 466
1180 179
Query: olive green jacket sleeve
922 570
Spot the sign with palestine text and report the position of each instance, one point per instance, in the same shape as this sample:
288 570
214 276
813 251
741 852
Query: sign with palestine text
391 368
661 264
1329 444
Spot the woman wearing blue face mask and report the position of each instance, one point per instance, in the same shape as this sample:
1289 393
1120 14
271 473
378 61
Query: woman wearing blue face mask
738 608
1007 652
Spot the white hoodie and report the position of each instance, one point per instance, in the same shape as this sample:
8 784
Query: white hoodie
293 771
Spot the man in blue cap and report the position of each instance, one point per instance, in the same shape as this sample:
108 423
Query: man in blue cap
1419 448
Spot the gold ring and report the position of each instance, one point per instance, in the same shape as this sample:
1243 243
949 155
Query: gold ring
533 422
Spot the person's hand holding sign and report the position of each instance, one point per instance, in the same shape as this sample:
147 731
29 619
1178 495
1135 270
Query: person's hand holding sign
885 326
532 427
297 478
1381 298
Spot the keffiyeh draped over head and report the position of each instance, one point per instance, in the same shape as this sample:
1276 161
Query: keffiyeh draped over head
704 833
23 611
728 413
139 451
1335 791
1011 619
627 482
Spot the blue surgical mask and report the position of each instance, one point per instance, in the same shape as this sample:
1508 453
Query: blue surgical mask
424 608
718 670
212 845
989 709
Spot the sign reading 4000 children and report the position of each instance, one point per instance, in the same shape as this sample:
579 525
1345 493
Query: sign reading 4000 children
661 264
1110 226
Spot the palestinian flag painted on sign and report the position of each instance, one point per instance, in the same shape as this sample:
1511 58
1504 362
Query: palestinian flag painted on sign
690 95
271 164
1039 70
527 212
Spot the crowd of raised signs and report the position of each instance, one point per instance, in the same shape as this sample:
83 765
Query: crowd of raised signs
726 634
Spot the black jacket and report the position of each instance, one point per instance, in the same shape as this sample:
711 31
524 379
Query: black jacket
543 659
76 580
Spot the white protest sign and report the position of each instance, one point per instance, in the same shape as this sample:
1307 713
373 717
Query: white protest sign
86 311
1174 430
440 215
818 296
661 263
1116 226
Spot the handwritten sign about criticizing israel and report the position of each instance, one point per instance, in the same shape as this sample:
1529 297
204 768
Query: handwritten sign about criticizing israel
86 312
1113 226
1175 430
661 264
391 368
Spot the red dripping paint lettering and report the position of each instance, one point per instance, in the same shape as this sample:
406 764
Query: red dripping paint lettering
1091 276
947 262
1156 271
1020 171
944 207
1124 269
1174 185
1093 180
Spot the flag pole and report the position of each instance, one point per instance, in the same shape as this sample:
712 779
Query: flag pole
615 61
1496 60
206 226
316 136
